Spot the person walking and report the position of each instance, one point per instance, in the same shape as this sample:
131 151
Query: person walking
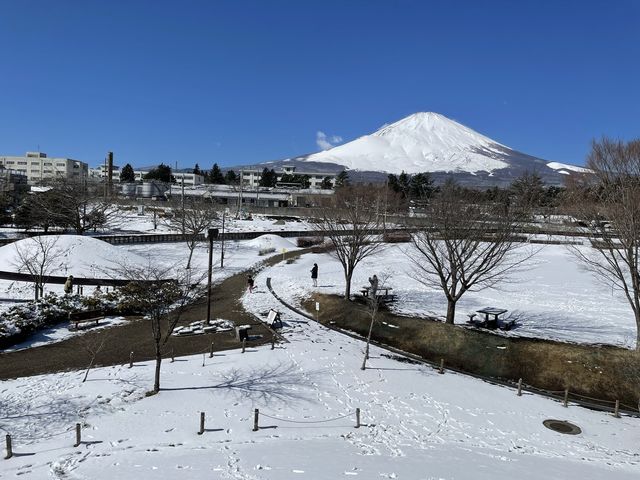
374 284
314 274
68 285
250 283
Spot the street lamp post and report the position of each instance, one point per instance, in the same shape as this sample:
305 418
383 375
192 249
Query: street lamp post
211 233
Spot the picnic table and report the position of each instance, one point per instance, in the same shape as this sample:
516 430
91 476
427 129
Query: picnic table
491 316
380 296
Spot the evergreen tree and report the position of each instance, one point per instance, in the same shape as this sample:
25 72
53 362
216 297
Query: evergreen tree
403 183
196 170
421 185
326 183
268 178
231 178
216 176
162 172
127 174
342 180
393 183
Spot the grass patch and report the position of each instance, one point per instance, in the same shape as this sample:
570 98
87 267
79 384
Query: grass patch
598 371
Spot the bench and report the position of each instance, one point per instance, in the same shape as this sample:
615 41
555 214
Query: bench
507 325
85 318
273 319
242 332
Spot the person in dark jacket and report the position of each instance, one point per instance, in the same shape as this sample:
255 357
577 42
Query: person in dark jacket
314 274
250 283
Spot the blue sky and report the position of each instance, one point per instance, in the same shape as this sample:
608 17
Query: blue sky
240 82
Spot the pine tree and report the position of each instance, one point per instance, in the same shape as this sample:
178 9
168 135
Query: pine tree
421 185
127 174
231 178
342 180
196 170
216 176
162 172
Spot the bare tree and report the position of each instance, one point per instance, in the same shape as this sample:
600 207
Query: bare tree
92 345
38 257
373 305
192 219
152 292
351 222
607 202
467 245
75 204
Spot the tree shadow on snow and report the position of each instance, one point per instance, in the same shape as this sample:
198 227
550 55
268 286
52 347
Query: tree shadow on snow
269 383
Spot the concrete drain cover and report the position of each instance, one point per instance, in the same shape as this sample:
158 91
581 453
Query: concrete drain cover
561 426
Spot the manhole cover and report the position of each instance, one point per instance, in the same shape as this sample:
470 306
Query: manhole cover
561 426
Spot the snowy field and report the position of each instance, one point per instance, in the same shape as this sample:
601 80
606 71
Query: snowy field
417 424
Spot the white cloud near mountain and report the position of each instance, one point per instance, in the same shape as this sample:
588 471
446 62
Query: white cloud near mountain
325 142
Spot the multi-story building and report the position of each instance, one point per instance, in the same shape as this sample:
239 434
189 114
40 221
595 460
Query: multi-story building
102 172
13 184
189 179
38 167
251 176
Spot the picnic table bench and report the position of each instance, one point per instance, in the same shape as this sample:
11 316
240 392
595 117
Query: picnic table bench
85 318
381 297
491 319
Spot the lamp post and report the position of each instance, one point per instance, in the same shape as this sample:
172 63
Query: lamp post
211 233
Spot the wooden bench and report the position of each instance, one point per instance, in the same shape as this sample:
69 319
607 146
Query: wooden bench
85 318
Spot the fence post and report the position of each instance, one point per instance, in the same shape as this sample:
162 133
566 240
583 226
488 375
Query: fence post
616 411
78 435
441 366
173 358
519 387
244 344
9 449
273 343
204 355
357 417
201 423
566 397
131 360
256 415
211 351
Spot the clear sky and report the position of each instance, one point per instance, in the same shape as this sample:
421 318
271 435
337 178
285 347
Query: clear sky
240 82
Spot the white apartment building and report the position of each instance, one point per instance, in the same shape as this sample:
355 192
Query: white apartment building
189 179
251 177
38 167
102 172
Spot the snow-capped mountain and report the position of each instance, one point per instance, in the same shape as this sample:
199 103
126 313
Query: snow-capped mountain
422 142
431 142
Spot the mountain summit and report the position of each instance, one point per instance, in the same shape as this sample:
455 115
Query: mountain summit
431 142
422 142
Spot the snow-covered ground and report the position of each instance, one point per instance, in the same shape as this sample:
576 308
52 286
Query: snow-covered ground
417 424
552 297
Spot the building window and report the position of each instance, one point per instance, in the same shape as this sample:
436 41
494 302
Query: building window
61 164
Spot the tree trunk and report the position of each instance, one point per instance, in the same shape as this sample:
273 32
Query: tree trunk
191 249
451 311
156 384
637 315
347 287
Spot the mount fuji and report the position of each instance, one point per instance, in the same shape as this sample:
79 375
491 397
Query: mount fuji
431 142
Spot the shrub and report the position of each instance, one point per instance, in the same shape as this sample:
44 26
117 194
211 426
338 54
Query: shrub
306 242
396 237
266 251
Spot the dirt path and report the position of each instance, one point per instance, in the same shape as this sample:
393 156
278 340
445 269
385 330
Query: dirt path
135 336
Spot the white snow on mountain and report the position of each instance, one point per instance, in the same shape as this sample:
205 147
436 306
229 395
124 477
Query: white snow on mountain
566 168
422 142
